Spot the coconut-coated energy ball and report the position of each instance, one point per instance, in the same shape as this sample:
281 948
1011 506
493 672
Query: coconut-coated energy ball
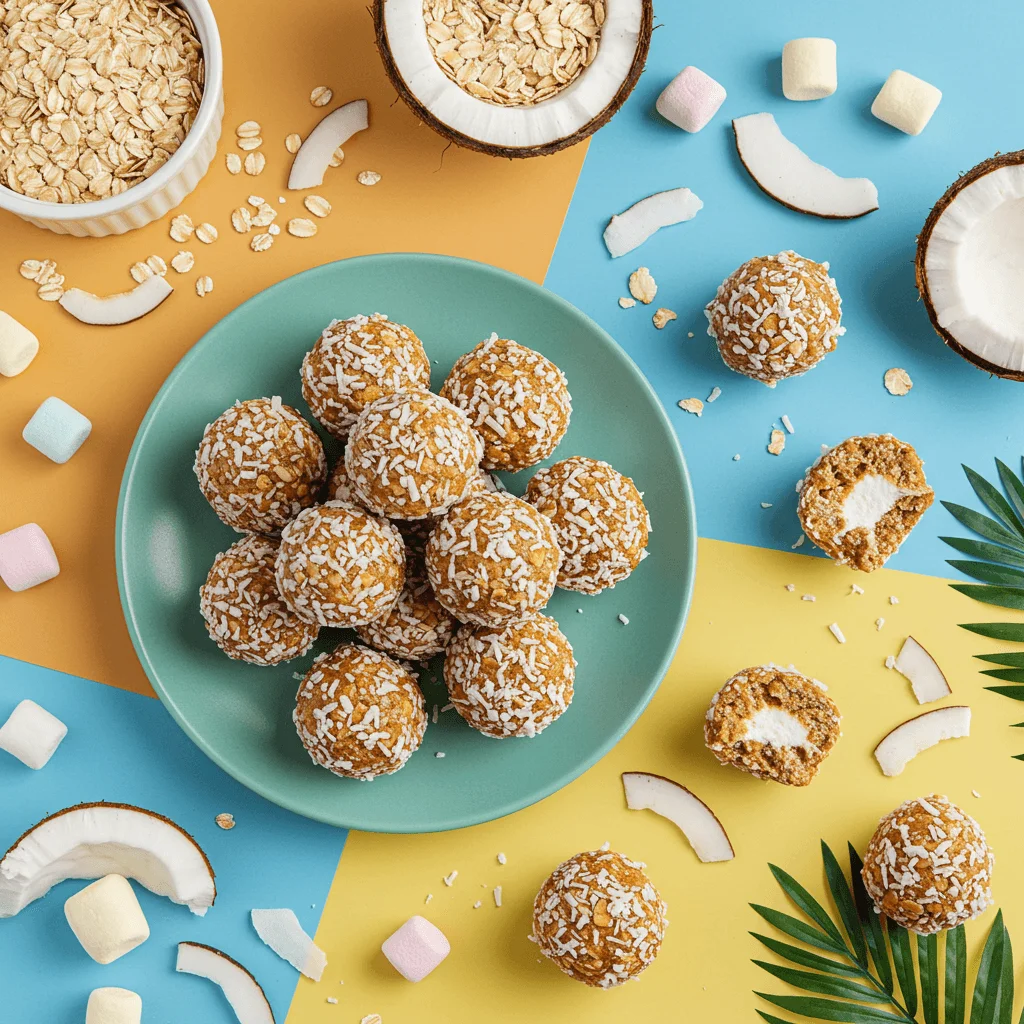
417 627
600 521
516 399
493 560
338 486
512 680
259 465
355 362
599 918
339 565
776 317
244 613
412 455
358 713
928 866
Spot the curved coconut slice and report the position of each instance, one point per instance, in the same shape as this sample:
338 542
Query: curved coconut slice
122 308
93 840
567 117
926 678
785 172
240 988
634 226
647 792
281 931
313 157
970 265
906 741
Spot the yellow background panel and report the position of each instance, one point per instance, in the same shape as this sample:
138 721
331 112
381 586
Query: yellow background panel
742 616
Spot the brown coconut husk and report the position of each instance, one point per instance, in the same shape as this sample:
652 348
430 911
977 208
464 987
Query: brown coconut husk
468 142
994 163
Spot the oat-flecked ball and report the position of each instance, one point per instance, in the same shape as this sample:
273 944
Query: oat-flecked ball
244 613
776 317
861 499
599 918
513 680
516 399
773 723
259 465
416 628
358 713
355 362
928 866
600 521
339 565
493 560
412 455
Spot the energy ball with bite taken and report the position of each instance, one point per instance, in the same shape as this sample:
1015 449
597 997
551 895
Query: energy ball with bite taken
358 713
861 499
928 866
493 560
516 399
259 465
417 627
355 362
599 918
776 317
339 565
244 613
599 518
773 723
513 680
412 455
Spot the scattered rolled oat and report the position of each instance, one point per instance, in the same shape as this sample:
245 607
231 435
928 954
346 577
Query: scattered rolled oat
256 201
438 753
248 130
787 424
642 285
182 228
204 285
332 1000
261 242
337 157
233 162
837 632
29 269
694 405
317 205
367 177
714 395
206 233
662 316
183 261
47 273
254 163
225 821
777 443
274 229
321 96
879 623
241 220
292 142
248 145
736 458
264 216
301 227
626 303
53 290
157 265
140 272
897 381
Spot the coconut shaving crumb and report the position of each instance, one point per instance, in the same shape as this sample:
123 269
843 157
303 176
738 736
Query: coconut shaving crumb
433 715
689 334
439 753
766 504
736 458
477 905
430 896
808 597
799 541
691 405
855 589
715 392
787 424
890 661
626 303
837 632
893 599
502 859
897 381
662 316
447 707
448 879
879 623
225 821
791 587
497 895
975 794
372 1018
332 1000
623 620
777 443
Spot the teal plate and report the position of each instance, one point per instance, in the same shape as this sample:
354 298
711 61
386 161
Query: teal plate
240 715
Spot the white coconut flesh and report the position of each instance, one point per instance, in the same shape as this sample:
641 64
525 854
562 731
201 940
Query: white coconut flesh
908 740
634 226
777 728
113 310
240 988
524 127
872 497
926 678
974 267
281 931
788 174
92 841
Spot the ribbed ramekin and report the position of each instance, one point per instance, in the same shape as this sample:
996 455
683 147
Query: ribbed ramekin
151 198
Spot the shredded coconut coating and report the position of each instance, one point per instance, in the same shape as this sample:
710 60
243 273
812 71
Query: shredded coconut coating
412 455
600 521
829 483
511 681
493 560
599 918
244 613
776 316
416 628
355 362
340 566
928 866
358 713
735 705
259 465
339 486
517 400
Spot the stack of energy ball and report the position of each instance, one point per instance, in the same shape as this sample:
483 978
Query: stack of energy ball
410 541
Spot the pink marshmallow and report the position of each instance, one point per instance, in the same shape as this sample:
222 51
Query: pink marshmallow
416 948
27 557
691 99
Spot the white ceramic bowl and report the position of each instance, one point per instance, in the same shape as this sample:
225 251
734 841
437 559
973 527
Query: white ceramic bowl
151 198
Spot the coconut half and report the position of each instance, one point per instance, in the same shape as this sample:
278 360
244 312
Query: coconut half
912 737
93 840
568 117
785 172
970 265
240 988
927 680
281 931
121 308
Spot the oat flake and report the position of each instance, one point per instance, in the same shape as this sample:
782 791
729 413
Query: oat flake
897 381
662 316
367 177
225 821
321 96
301 227
642 285
317 205
292 142
694 405
254 163
183 261
204 285
233 162
206 233
182 228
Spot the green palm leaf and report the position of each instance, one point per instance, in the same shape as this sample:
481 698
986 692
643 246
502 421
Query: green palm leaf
1004 1013
770 1019
1013 692
832 1009
1013 486
1006 658
1008 675
995 502
804 957
982 549
1003 597
986 986
928 968
796 929
903 961
956 976
870 922
1011 631
983 526
843 899
987 572
807 903
823 984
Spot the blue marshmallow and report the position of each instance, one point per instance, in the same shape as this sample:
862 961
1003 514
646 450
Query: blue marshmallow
57 430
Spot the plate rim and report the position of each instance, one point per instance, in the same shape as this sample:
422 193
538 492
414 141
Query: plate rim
467 820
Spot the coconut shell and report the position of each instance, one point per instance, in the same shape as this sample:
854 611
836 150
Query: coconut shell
994 163
468 142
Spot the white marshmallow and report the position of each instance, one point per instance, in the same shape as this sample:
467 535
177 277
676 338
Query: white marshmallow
416 948
113 1006
107 919
18 346
32 734
906 102
691 99
809 69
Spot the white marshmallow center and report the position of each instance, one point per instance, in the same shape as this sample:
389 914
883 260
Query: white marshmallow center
777 727
872 496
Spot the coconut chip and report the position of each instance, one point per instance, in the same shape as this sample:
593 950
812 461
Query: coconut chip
122 308
837 632
642 285
714 394
662 316
626 303
314 155
777 443
693 405
897 381
281 931
634 226
242 991
787 424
